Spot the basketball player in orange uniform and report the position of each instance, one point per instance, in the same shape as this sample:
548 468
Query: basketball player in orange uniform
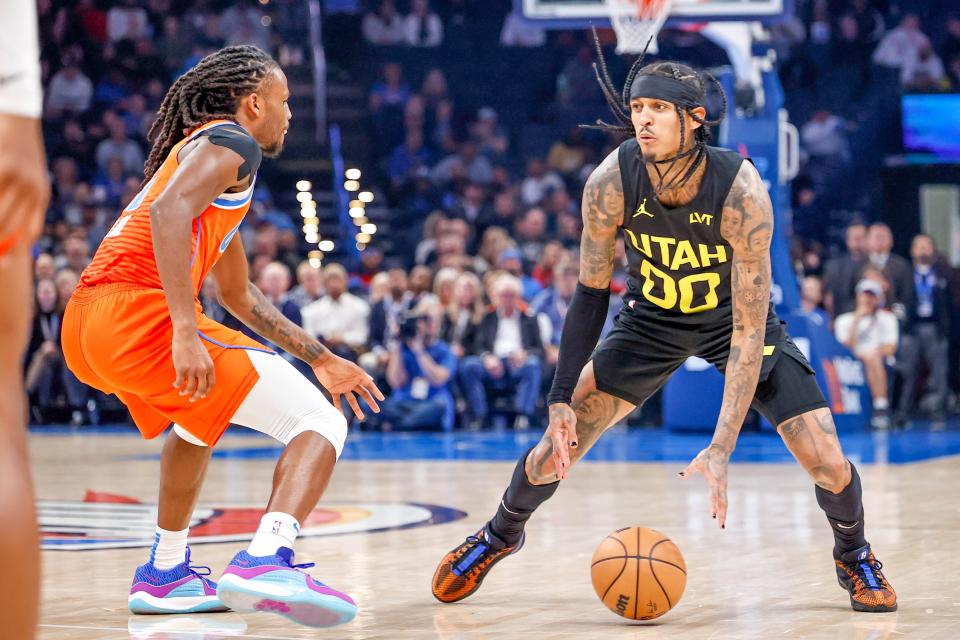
134 328
24 191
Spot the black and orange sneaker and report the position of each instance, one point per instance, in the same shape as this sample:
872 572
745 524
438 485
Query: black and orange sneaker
462 570
859 572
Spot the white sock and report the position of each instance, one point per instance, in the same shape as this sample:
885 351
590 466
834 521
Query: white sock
277 529
169 548
881 404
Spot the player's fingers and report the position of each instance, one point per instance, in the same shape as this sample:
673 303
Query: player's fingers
572 433
352 401
722 511
368 398
689 471
190 389
374 389
336 402
180 379
559 451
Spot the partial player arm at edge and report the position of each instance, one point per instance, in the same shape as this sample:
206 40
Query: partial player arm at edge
204 174
748 226
602 211
244 300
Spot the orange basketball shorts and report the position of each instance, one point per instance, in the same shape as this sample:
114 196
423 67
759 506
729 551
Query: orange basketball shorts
117 338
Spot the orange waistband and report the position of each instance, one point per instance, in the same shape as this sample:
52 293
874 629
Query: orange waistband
83 294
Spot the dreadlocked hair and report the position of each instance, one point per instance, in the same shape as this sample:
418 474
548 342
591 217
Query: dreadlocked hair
209 91
619 103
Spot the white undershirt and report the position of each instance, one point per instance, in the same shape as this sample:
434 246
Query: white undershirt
509 339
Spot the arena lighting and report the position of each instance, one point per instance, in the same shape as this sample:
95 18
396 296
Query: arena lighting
304 185
311 220
357 212
361 246
360 221
315 263
356 203
315 255
304 196
266 21
352 174
369 227
311 238
264 2
351 185
363 237
310 229
326 245
365 196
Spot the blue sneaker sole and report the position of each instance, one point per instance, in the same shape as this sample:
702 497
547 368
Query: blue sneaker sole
298 603
144 603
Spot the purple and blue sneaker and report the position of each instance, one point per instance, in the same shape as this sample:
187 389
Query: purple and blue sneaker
182 589
274 584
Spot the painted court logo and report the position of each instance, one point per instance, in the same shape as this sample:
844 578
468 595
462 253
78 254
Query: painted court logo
107 521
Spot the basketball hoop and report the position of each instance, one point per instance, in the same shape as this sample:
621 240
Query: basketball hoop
635 21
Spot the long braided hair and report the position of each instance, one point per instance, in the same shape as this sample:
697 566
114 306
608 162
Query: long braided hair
209 91
619 103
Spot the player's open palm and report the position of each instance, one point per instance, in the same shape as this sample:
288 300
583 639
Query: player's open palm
562 431
194 367
712 463
343 378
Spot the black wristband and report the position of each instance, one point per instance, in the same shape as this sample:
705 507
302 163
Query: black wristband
581 330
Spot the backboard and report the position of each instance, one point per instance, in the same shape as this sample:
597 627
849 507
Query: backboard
565 14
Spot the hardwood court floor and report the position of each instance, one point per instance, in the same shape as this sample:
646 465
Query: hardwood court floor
768 575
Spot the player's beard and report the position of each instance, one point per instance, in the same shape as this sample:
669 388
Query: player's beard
274 149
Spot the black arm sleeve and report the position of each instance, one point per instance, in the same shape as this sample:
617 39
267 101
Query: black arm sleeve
581 330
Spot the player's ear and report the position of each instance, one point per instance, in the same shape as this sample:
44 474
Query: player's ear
701 113
252 104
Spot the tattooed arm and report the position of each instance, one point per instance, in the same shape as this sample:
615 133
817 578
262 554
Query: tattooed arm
747 224
602 213
245 301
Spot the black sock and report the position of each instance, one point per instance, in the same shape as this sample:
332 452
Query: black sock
519 502
845 513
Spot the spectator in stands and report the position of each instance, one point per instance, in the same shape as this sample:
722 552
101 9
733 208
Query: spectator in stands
112 88
463 314
872 334
553 303
76 254
507 357
126 20
119 145
69 91
423 26
577 84
420 285
434 89
383 320
517 32
109 183
553 253
309 285
66 281
529 233
901 43
175 45
824 138
489 135
511 261
841 274
408 158
43 267
950 49
925 338
443 284
385 27
47 378
466 163
538 182
870 24
568 155
420 369
495 241
569 228
391 91
244 24
896 268
472 205
924 70
811 301
339 319
501 214
274 282
954 73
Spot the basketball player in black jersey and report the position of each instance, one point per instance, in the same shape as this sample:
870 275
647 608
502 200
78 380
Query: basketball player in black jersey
697 223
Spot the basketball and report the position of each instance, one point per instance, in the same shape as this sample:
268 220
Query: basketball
638 573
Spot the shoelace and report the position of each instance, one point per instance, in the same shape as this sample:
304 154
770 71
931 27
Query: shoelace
868 574
476 560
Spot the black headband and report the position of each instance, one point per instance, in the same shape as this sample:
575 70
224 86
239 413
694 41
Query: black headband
667 89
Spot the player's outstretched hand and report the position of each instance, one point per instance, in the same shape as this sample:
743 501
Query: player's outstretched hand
563 435
343 378
194 367
712 463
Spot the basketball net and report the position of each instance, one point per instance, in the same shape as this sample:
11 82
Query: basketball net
635 21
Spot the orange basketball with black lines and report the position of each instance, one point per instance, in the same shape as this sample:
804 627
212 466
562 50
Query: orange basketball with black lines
638 573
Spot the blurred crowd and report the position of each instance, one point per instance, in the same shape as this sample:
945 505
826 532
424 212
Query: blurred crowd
460 317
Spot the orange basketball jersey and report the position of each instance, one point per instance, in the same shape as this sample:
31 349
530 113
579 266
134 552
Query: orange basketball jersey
126 253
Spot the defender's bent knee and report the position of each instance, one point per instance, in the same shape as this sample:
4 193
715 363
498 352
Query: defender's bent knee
834 476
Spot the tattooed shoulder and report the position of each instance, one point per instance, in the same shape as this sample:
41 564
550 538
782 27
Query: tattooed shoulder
602 211
747 222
